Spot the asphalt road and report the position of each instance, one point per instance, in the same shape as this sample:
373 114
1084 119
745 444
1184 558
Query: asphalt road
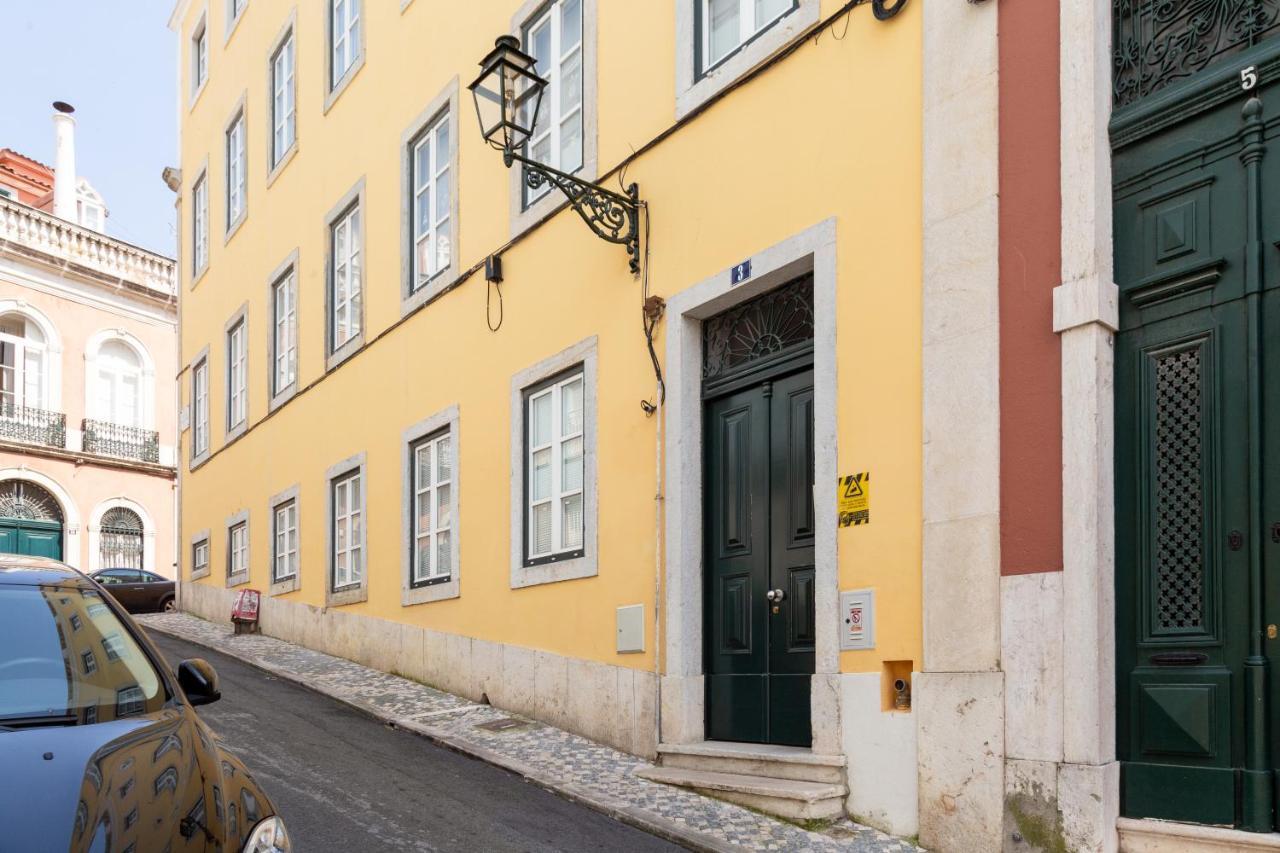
345 783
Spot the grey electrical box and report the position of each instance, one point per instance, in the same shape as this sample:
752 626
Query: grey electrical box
631 629
858 619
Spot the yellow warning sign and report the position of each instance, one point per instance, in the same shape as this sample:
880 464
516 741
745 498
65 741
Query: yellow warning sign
854 501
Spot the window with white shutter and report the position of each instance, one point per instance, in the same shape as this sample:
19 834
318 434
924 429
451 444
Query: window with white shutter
554 495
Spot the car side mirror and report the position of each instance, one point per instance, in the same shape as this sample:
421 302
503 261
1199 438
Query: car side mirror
198 681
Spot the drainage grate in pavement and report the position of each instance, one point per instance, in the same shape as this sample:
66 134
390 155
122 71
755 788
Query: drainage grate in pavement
505 724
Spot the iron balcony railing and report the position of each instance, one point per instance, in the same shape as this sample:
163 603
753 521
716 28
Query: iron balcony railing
33 426
125 442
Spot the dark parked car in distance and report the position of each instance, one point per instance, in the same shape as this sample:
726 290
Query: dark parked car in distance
137 590
101 747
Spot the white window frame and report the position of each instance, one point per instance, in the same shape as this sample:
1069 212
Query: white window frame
284 541
199 57
344 53
565 565
200 225
696 85
284 330
200 555
415 588
348 531
554 446
552 114
235 11
237 372
748 29
28 352
525 211
200 438
8 193
284 99
237 187
238 548
106 372
346 218
428 494
439 166
351 585
440 114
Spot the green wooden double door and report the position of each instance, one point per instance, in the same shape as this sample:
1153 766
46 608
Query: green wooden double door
35 538
1197 408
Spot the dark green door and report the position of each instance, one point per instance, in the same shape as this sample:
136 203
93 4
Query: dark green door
1182 571
759 557
30 520
1197 456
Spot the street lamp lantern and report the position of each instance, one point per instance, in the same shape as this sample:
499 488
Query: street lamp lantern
508 94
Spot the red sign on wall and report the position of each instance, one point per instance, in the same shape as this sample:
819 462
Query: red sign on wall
246 606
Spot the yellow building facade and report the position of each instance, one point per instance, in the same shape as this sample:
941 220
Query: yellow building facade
779 161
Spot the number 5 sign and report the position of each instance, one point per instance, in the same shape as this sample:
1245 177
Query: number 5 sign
1249 77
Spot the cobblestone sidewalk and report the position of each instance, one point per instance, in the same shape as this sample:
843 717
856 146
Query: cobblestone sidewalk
584 771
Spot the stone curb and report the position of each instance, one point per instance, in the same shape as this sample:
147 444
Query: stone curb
626 813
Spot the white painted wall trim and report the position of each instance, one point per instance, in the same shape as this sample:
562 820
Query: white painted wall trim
70 512
812 250
95 532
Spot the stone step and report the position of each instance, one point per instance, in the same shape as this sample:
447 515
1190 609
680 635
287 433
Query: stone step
1159 836
754 759
788 798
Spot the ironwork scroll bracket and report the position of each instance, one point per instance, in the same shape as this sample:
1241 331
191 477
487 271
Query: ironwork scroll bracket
612 216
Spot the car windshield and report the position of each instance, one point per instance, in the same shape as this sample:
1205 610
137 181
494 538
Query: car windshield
65 656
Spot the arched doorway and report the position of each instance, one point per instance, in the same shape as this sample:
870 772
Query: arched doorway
30 520
121 539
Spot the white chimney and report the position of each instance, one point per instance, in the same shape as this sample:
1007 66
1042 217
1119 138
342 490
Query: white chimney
64 164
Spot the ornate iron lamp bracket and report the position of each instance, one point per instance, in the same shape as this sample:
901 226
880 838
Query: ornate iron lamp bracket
612 216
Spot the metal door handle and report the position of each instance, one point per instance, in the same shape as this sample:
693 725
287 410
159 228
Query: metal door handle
775 595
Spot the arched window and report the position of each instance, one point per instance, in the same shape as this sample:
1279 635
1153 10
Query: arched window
20 499
23 364
117 398
121 537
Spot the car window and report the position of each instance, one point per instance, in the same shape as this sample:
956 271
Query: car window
48 668
120 576
147 577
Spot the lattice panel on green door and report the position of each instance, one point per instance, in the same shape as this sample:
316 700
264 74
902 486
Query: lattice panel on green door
1179 493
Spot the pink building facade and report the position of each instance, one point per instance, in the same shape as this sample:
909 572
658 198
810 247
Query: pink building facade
88 416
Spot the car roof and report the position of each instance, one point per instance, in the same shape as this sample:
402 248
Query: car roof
25 569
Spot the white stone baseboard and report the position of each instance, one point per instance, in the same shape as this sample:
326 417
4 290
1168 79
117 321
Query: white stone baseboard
881 751
609 704
1159 836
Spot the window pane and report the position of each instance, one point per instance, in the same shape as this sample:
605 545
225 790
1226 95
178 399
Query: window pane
442 144
570 24
768 10
444 460
571 408
540 419
540 47
443 554
422 214
443 515
723 27
422 568
572 521
423 455
571 143
442 195
571 94
541 529
355 494
422 165
571 476
541 486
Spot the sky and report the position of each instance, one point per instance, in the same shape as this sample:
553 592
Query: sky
113 60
